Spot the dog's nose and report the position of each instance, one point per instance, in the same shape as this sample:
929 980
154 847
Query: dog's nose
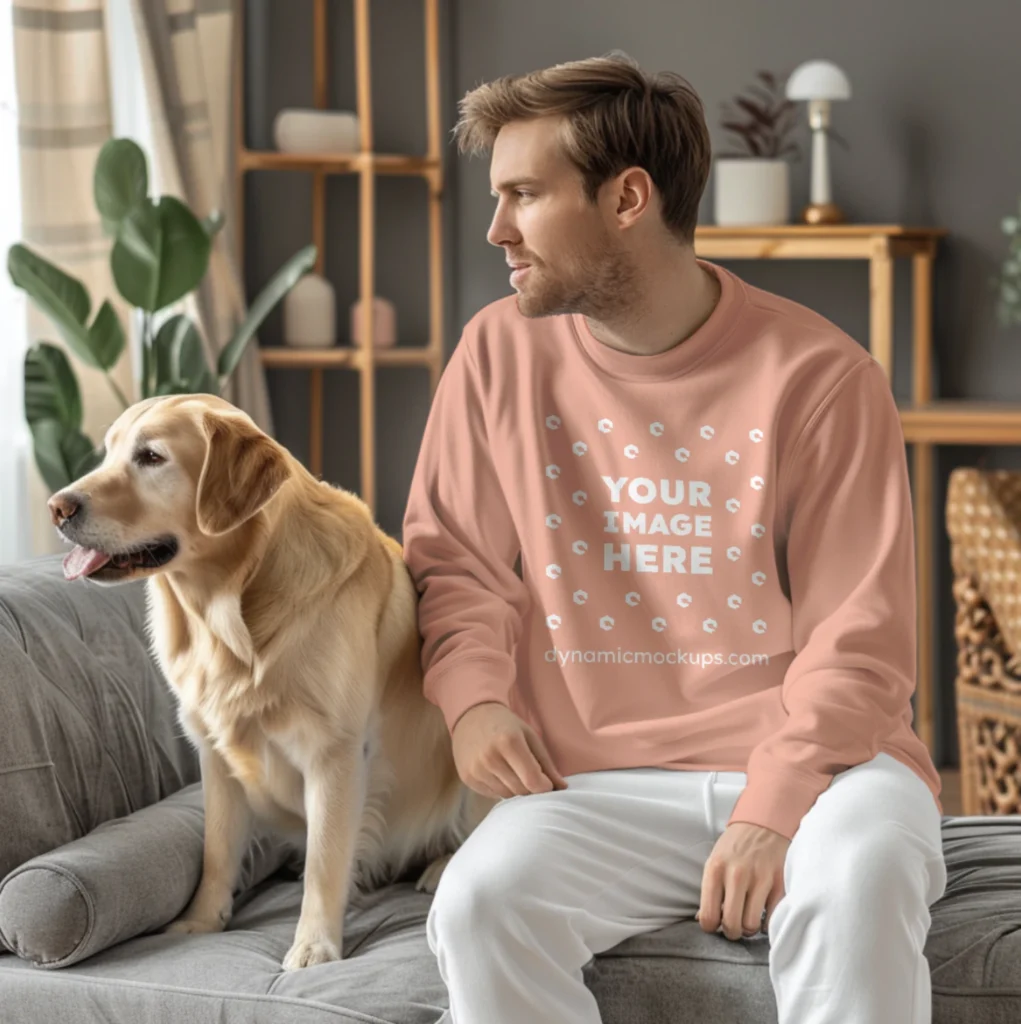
64 506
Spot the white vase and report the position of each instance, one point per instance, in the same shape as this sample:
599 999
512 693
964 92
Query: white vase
316 131
310 313
751 190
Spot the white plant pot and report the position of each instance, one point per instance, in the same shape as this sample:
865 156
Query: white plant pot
751 190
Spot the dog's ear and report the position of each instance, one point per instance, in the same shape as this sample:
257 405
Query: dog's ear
243 469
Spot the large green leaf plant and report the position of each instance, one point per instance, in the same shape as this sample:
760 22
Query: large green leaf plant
160 253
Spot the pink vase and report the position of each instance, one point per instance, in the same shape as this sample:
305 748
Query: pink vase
384 324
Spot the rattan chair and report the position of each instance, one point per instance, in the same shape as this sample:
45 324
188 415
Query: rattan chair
983 516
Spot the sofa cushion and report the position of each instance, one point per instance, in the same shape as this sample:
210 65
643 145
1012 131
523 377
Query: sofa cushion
974 945
389 975
129 876
90 726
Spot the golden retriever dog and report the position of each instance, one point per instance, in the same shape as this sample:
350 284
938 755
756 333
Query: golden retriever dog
285 620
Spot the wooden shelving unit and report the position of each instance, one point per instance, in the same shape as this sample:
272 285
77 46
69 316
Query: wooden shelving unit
925 422
962 422
367 164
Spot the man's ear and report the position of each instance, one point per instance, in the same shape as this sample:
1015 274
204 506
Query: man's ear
243 469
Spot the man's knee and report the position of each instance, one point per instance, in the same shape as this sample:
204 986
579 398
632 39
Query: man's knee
481 891
879 865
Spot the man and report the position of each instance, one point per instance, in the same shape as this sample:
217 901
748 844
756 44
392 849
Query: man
695 696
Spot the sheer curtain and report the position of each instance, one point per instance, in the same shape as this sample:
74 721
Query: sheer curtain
15 445
130 120
63 108
186 58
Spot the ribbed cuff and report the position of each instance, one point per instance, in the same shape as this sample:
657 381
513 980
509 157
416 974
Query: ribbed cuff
479 679
778 800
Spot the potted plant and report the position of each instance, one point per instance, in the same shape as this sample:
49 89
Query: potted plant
752 181
160 253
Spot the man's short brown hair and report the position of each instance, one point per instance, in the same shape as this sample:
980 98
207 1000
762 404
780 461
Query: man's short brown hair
615 116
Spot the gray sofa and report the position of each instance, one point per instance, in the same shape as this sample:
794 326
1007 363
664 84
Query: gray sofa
100 821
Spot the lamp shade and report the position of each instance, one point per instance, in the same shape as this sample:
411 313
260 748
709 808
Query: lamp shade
818 80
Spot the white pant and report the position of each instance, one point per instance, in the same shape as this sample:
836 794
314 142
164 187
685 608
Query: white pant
550 879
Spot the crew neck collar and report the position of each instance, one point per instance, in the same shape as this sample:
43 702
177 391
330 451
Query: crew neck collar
682 357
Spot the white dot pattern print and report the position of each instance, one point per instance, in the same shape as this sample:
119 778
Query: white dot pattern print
645 518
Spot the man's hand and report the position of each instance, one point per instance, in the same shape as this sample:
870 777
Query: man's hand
742 877
498 755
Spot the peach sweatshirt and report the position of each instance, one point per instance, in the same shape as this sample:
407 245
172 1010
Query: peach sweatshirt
716 542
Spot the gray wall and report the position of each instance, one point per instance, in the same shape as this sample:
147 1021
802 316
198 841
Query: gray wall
933 140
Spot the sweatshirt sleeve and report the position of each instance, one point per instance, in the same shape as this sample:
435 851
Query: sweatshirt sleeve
460 545
851 568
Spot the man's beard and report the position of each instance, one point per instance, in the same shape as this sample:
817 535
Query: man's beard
602 285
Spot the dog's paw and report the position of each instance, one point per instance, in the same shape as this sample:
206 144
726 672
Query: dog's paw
309 953
194 926
430 878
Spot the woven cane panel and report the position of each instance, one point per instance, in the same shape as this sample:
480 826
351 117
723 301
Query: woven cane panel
982 514
988 707
983 658
996 759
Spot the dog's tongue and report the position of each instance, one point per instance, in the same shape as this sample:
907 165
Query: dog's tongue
83 562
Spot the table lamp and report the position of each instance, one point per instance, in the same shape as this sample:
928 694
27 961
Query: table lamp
819 82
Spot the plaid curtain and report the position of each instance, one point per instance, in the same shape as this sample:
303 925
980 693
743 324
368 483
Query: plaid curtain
64 117
60 63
